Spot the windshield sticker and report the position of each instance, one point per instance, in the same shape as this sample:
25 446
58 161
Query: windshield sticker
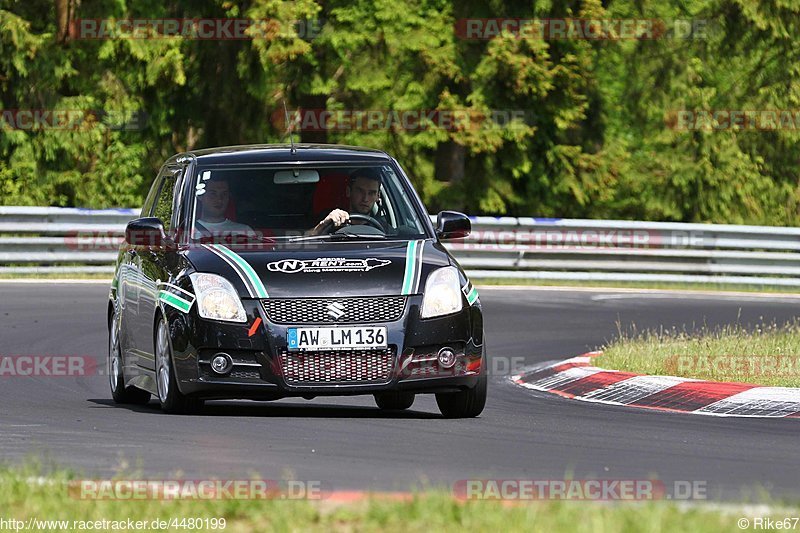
201 187
326 264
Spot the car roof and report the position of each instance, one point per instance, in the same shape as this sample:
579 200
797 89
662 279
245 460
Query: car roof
283 153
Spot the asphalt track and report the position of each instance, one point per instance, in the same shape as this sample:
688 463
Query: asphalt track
349 444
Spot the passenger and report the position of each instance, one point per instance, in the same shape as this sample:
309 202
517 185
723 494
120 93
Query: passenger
212 220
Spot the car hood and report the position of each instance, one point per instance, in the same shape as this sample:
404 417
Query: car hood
323 269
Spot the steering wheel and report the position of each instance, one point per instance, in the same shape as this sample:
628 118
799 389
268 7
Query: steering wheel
329 226
368 219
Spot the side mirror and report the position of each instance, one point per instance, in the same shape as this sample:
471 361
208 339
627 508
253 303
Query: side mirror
147 232
452 225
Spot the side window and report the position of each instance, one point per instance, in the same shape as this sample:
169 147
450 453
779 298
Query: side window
163 206
401 202
147 208
388 208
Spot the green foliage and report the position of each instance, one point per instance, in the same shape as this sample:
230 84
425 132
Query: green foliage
591 129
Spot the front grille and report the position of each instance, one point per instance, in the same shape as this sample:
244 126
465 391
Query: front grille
238 372
323 368
432 369
347 310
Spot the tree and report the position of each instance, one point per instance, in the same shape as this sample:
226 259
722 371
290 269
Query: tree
544 126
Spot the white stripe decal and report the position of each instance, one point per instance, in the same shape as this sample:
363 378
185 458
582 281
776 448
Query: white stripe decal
408 276
420 250
235 268
470 292
255 281
175 287
175 301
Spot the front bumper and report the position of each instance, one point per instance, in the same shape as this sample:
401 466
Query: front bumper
261 370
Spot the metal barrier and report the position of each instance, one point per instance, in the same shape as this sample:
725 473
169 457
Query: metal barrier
618 250
60 240
65 240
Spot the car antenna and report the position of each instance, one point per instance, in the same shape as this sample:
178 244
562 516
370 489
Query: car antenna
289 127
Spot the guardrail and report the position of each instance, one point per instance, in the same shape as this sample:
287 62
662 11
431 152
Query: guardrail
60 240
617 250
66 240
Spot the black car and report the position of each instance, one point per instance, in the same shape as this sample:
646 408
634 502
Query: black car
272 271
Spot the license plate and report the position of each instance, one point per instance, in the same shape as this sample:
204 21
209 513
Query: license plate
353 338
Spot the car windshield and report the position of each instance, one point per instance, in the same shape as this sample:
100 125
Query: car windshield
289 203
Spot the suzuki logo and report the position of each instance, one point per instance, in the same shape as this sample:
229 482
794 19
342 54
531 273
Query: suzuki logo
336 310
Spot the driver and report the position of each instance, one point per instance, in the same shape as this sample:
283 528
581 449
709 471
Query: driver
363 190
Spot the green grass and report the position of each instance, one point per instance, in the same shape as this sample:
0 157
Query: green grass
57 276
765 355
728 287
22 497
487 282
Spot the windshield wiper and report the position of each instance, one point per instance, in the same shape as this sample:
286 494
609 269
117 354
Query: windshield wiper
342 236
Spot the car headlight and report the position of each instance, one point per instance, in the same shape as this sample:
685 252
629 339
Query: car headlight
442 293
217 299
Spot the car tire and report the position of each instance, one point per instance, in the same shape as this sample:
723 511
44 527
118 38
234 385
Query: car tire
116 380
394 401
464 404
171 399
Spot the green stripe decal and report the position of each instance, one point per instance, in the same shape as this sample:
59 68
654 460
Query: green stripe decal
261 291
408 279
175 301
472 296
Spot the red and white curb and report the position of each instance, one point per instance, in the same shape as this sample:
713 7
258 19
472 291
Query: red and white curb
576 378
